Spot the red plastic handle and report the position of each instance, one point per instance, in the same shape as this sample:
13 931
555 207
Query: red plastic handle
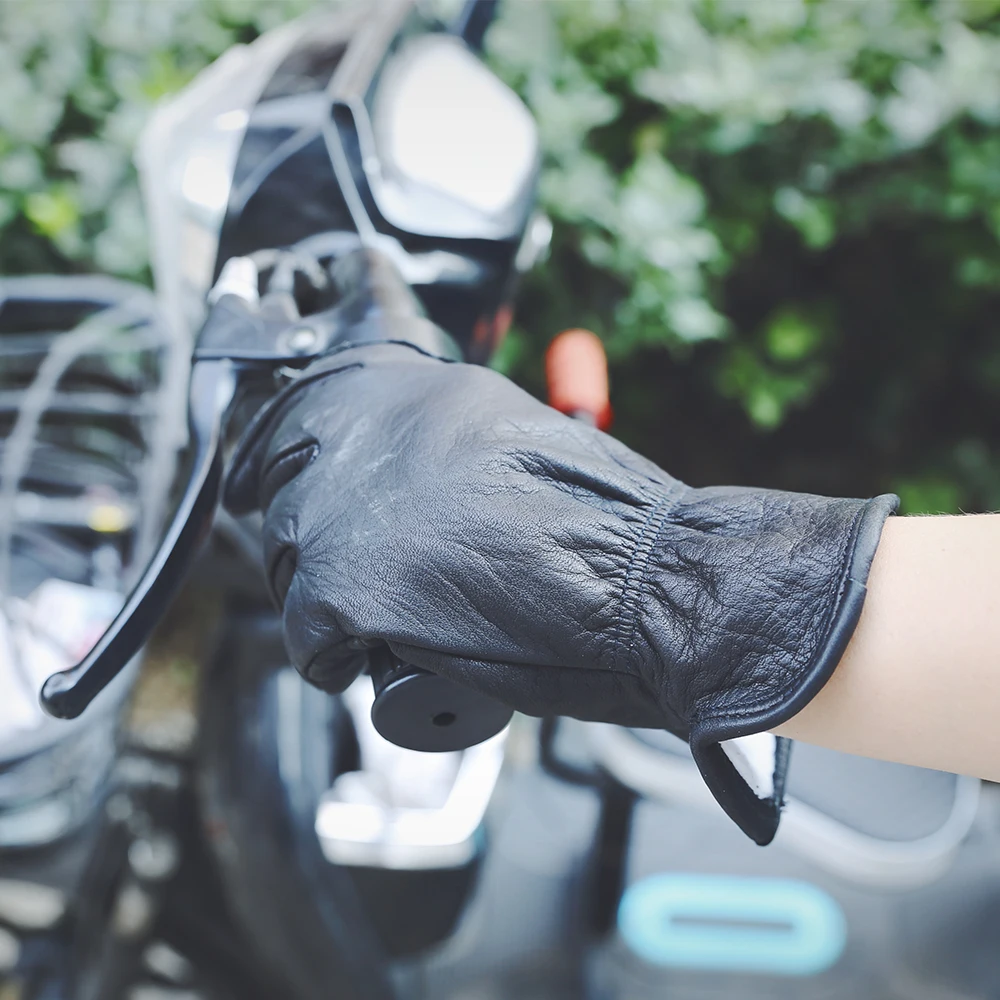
576 371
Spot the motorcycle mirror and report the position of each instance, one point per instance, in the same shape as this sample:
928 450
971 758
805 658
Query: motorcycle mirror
455 150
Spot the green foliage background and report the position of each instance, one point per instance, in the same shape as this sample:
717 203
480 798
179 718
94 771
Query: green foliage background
782 216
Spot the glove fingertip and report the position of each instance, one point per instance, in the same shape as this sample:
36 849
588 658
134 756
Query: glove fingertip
333 671
284 467
240 490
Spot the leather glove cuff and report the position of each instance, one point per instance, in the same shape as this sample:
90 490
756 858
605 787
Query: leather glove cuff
776 584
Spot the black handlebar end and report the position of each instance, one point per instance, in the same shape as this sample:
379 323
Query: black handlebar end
420 710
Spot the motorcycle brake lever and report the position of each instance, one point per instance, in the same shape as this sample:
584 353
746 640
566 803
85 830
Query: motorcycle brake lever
67 693
236 339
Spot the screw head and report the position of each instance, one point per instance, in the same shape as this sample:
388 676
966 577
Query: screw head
301 339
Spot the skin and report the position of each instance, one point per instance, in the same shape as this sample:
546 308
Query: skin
919 682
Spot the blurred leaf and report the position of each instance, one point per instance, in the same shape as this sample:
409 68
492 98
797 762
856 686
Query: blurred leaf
813 217
164 76
927 495
53 212
766 393
791 337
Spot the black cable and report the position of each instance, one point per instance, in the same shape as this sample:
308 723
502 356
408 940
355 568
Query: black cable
618 803
615 828
554 766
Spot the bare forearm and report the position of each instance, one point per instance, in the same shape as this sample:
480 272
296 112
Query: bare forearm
920 683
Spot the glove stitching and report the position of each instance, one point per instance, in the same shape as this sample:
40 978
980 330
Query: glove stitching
630 599
839 581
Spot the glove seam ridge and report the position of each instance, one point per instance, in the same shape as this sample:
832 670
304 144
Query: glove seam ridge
636 569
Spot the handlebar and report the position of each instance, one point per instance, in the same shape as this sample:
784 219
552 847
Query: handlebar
420 710
244 338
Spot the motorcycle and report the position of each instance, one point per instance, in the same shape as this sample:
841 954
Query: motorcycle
409 839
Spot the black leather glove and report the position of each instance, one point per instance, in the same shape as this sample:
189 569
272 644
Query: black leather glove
438 508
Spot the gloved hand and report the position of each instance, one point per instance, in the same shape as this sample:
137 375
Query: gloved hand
438 508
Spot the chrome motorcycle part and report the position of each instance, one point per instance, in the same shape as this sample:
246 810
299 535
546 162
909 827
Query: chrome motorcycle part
402 811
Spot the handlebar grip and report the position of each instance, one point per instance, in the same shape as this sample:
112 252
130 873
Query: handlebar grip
420 710
576 373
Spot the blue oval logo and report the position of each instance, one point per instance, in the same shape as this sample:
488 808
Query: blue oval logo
725 923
